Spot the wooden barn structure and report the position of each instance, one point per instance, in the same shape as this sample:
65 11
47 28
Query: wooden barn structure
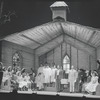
52 41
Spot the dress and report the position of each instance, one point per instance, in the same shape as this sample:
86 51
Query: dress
91 86
22 82
6 80
39 81
5 76
27 79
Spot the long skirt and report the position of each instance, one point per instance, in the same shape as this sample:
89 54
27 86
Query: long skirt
90 87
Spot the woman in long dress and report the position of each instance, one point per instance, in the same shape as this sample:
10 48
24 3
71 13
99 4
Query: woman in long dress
39 81
21 81
27 79
91 86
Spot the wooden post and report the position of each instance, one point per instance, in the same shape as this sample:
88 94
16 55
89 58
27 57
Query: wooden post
53 56
77 60
0 51
61 55
70 57
89 62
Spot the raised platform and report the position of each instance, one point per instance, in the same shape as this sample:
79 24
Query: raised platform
49 94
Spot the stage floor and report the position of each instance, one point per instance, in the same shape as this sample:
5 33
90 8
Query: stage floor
53 93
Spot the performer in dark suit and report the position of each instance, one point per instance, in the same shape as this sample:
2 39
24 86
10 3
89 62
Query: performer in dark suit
81 79
59 76
98 70
98 61
1 73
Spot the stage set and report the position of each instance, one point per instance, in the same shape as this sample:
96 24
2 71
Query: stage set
57 59
46 95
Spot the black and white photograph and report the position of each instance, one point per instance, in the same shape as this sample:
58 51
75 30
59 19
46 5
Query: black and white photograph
50 49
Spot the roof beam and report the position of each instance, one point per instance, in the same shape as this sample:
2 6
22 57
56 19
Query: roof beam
76 38
62 32
48 41
48 45
46 33
30 39
62 29
91 36
56 32
50 49
79 45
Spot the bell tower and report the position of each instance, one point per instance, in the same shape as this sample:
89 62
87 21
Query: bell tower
59 10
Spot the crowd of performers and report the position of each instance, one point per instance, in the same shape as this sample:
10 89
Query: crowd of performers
50 76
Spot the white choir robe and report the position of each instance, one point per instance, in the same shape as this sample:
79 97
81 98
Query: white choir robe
72 79
6 84
39 81
47 74
40 70
5 76
53 75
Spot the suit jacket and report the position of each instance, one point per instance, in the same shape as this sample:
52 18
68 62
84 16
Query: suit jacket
1 76
61 74
72 75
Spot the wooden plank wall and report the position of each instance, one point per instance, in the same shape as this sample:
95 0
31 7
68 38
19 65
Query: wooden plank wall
79 58
98 53
83 60
0 50
8 49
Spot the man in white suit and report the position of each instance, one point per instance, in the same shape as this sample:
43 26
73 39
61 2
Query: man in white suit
72 78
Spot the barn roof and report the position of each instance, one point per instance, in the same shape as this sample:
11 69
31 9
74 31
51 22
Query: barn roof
38 36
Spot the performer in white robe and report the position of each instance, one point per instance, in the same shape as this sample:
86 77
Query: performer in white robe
5 79
27 79
6 84
39 81
47 74
40 69
72 78
53 74
91 86
5 76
